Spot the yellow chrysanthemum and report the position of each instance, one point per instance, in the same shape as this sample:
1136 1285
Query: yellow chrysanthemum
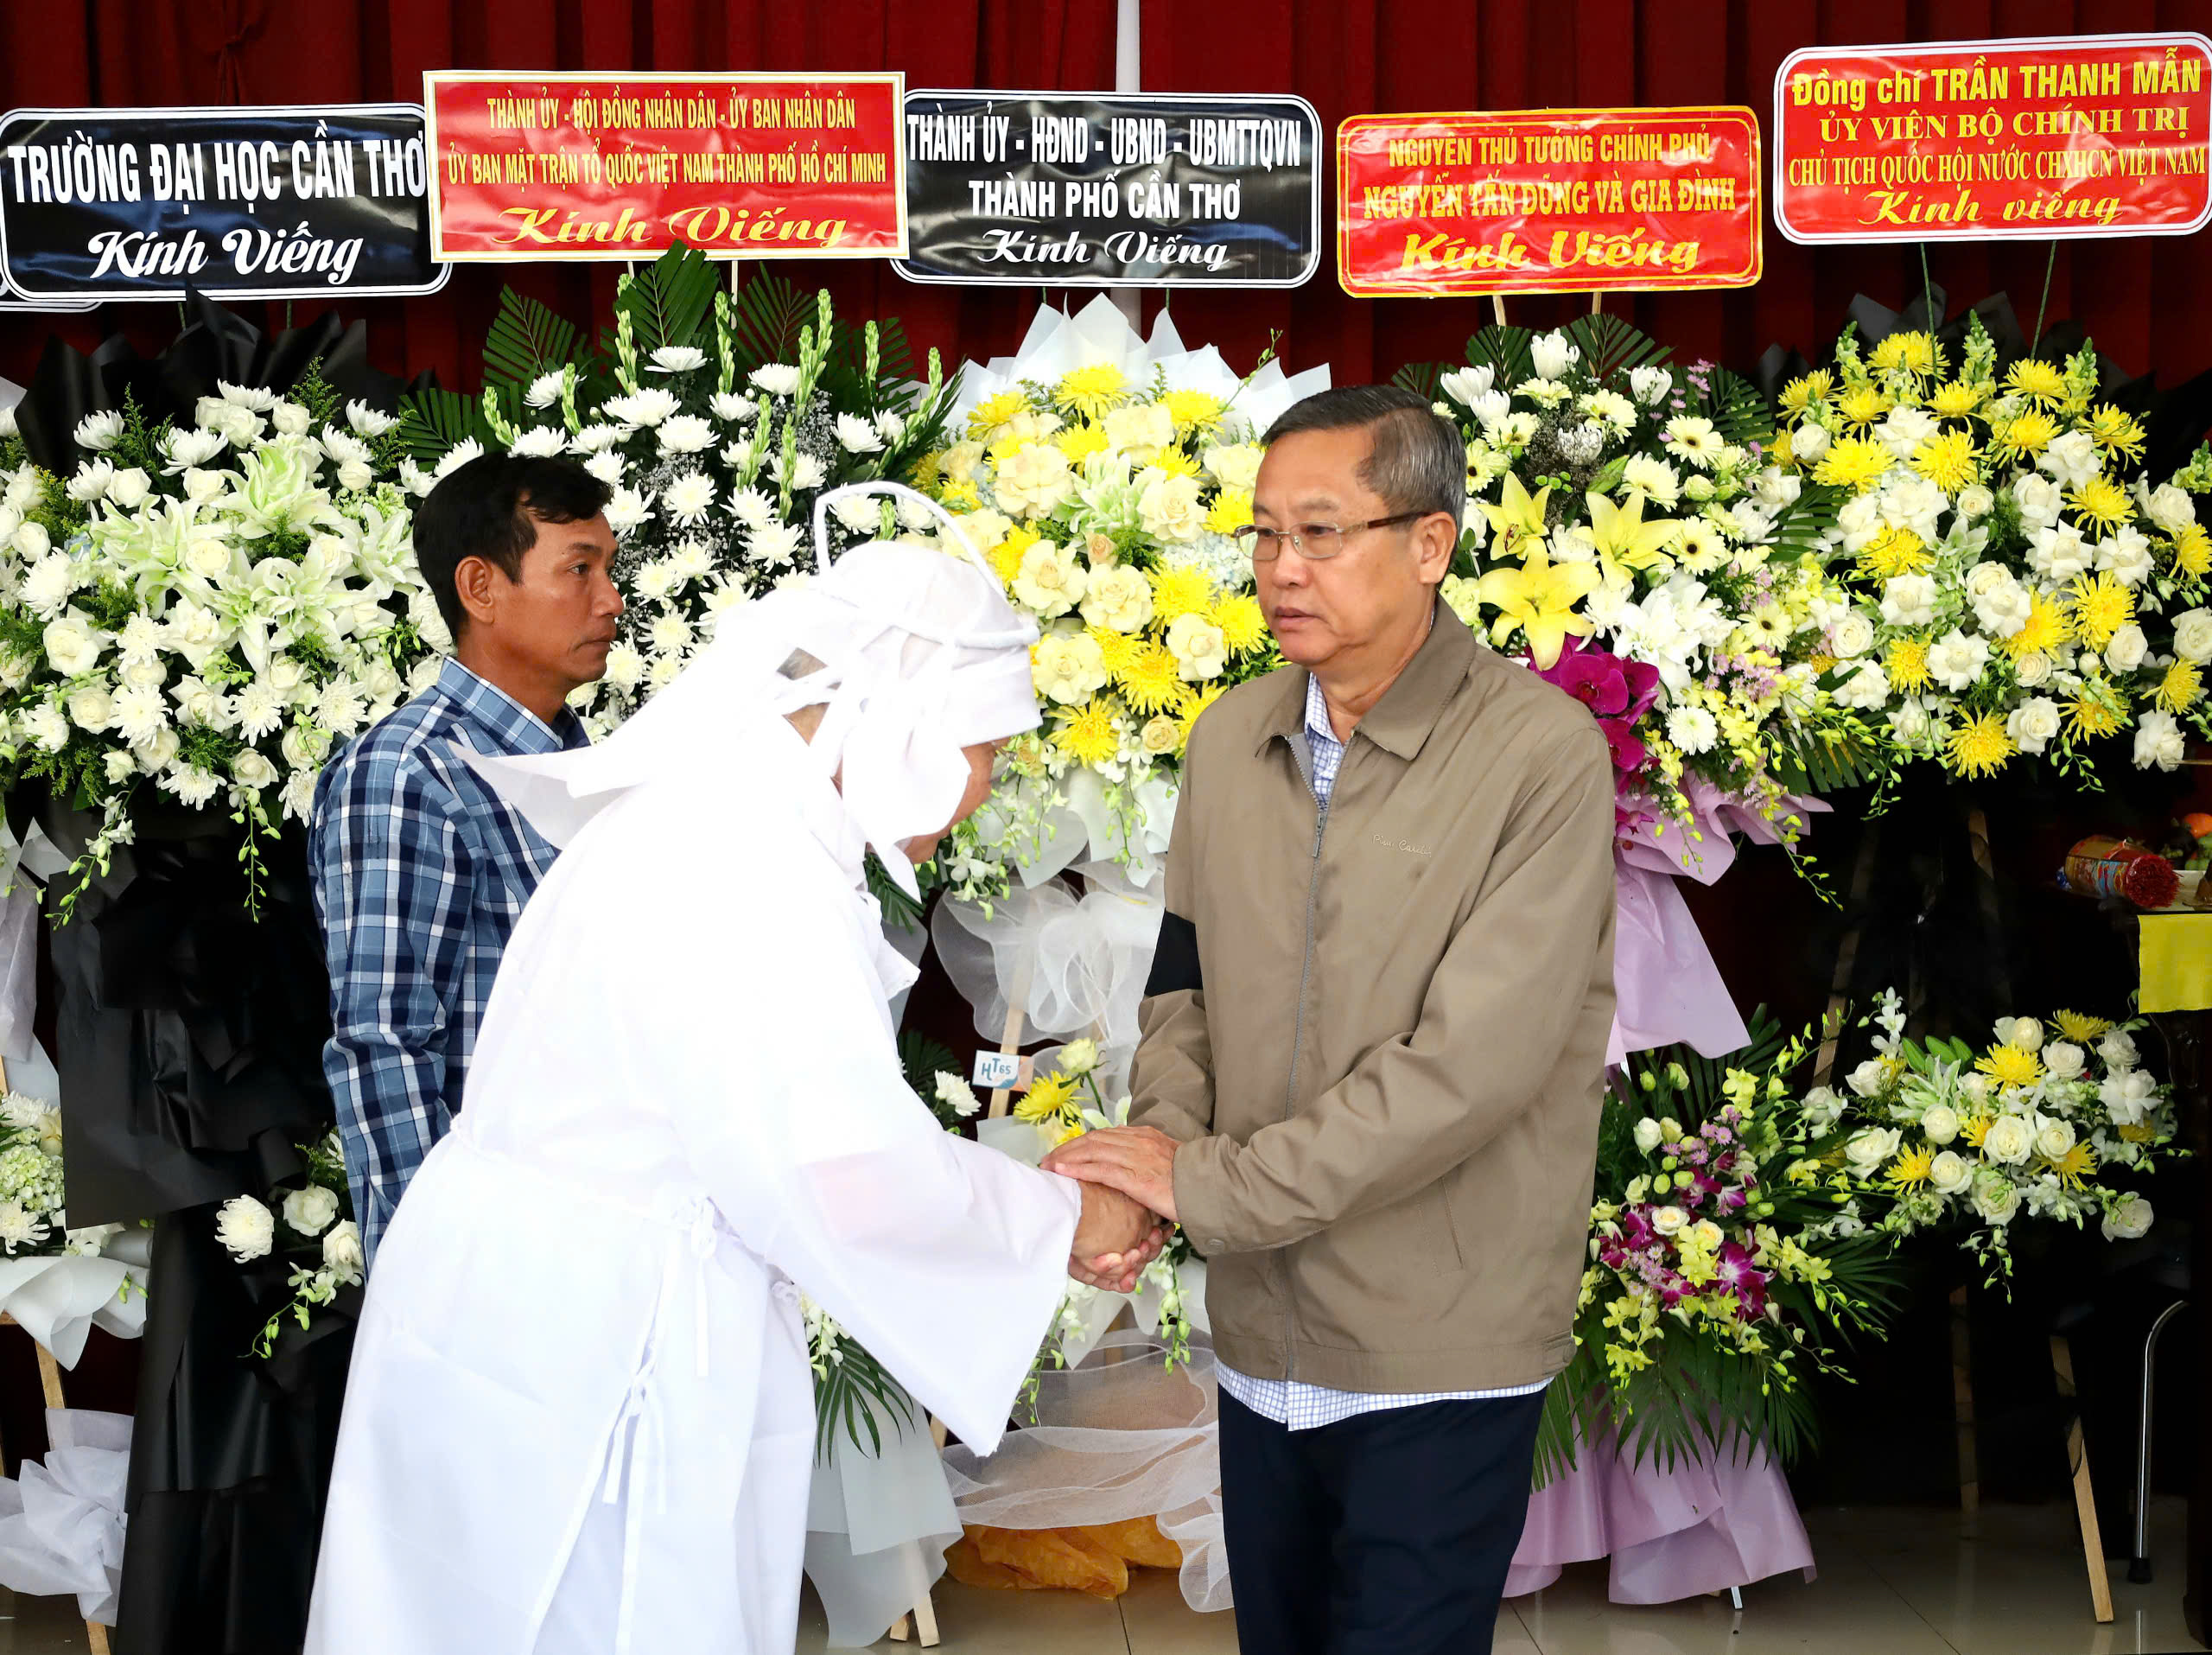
2023 434
1911 1169
1974 1128
2180 688
1782 451
1173 462
1047 1095
1006 448
2076 1164
2141 1132
1906 663
1080 441
960 497
2116 430
1800 393
1197 704
1853 463
994 411
1179 591
2100 605
926 472
1091 391
1091 737
1193 410
2095 709
1894 552
1820 660
2101 501
1115 649
2041 380
2080 1027
1244 625
1006 557
1979 746
1914 352
1231 510
2193 550
1150 682
1946 461
2044 631
2009 1066
1955 400
1862 405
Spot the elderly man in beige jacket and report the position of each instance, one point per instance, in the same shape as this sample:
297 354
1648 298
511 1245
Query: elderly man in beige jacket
1374 1041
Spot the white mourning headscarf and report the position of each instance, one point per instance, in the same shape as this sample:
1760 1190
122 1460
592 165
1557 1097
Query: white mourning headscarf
912 653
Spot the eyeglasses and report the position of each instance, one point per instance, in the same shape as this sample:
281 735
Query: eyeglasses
1315 542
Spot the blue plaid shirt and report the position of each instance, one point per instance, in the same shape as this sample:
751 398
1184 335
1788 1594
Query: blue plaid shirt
420 874
1289 1402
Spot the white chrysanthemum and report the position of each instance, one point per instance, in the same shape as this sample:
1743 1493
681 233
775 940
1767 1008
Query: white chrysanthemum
98 431
627 508
692 561
92 480
298 795
732 407
807 472
957 1095
1693 729
858 435
367 421
245 1227
626 667
539 443
259 709
677 358
776 379
609 467
670 634
684 434
773 544
654 581
891 427
185 450
21 1228
140 713
649 406
259 398
596 438
51 581
688 498
752 509
468 448
545 389
859 513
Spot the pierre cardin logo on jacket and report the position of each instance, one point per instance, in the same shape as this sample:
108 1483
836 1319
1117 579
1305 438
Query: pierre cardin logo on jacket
1406 845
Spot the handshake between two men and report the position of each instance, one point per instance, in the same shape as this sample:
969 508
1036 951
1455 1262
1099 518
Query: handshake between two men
1128 1174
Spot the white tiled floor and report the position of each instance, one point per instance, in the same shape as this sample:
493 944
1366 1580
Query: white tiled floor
1892 1582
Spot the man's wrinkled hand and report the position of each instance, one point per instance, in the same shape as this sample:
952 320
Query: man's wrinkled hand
1138 1160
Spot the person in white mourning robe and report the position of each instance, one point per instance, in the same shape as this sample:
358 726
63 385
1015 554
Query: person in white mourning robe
580 1415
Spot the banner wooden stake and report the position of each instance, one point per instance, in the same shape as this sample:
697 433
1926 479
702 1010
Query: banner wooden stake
1597 304
1497 308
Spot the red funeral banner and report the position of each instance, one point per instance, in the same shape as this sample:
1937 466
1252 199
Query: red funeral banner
2090 134
1548 200
621 166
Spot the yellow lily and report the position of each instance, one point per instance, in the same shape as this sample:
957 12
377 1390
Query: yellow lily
1624 541
1519 517
1539 598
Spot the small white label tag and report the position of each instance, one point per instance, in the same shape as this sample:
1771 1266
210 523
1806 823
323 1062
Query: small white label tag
997 1071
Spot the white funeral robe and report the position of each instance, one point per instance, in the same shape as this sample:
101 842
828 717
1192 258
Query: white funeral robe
580 1415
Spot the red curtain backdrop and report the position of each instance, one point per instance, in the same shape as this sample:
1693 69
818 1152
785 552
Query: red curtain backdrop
2148 301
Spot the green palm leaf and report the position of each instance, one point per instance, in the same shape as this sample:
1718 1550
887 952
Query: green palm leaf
1610 347
667 301
527 338
433 422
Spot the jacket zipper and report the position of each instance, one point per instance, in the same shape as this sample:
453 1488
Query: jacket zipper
1297 1046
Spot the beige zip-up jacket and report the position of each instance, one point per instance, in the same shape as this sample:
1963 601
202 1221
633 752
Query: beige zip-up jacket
1380 1031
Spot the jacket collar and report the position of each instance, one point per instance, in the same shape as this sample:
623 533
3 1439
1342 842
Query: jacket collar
1400 722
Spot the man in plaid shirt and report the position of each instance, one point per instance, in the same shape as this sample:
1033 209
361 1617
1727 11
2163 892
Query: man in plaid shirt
420 870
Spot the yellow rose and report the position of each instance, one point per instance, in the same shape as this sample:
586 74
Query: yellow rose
1034 482
1118 598
1069 671
1169 509
1200 650
1161 735
1049 580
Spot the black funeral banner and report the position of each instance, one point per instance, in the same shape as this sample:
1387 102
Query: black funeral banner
1147 189
256 203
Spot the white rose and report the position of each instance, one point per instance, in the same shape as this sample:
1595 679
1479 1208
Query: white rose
1939 1123
2160 741
1200 650
1236 465
1868 1149
32 542
201 486
1170 509
2127 557
252 769
1141 429
1909 599
2011 1140
130 487
2127 648
2193 634
1551 355
2128 1096
1809 443
290 418
1996 1199
1669 1220
2039 500
2064 1060
2034 725
310 1211
2128 1217
2023 1032
2032 669
1869 686
157 750
2053 1137
2117 1050
1069 669
1647 1135
1950 1172
1957 660
1853 635
1033 481
1975 501
91 708
1051 580
342 1251
1869 1077
2170 508
246 1228
71 645
1118 598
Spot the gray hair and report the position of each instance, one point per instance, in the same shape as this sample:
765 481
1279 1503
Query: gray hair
1415 460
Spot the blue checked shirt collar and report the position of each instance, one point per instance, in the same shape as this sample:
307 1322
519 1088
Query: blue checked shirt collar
515 730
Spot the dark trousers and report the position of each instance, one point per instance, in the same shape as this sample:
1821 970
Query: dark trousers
1387 1533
